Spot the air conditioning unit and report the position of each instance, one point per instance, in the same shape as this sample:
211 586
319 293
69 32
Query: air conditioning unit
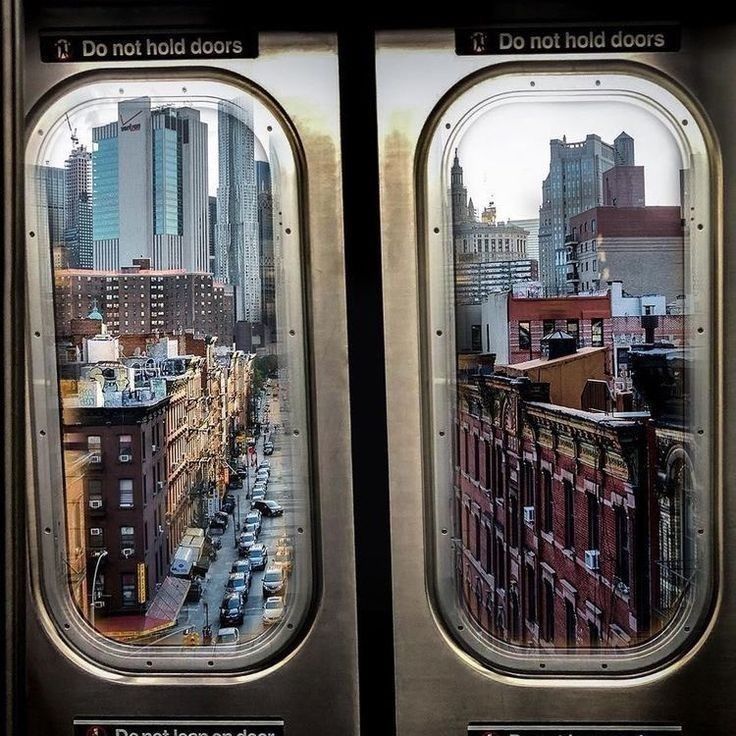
529 514
125 458
95 503
154 448
95 531
98 604
160 484
127 552
96 459
592 559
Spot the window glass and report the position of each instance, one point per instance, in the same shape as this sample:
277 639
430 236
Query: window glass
591 381
168 267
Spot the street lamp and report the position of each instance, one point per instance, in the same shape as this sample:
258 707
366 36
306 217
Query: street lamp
94 585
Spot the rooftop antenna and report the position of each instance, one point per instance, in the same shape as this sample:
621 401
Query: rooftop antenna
72 132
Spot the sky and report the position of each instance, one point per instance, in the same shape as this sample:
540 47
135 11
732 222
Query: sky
505 153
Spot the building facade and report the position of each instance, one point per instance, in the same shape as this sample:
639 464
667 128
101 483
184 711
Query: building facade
149 188
574 184
237 252
78 225
125 490
138 300
642 247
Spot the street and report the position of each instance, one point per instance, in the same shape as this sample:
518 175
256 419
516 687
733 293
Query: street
280 488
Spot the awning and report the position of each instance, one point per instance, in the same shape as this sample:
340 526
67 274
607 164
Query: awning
160 616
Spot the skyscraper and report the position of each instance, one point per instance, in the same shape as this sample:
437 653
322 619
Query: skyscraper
78 207
265 240
237 256
52 191
212 227
574 184
150 188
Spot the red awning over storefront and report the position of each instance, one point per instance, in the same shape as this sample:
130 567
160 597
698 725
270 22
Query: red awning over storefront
160 616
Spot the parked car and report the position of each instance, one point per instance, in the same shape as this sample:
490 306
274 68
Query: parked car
227 635
273 582
268 507
228 507
263 474
243 566
253 518
284 559
273 610
258 556
237 584
268 448
231 609
245 542
264 464
258 495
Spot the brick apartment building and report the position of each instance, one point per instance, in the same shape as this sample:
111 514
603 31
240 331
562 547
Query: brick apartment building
138 300
571 522
125 483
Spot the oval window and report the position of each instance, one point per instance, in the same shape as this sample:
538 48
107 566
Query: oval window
568 265
172 488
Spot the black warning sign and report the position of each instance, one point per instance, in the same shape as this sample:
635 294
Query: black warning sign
66 48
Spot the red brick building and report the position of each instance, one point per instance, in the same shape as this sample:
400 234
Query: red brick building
587 318
125 491
554 509
138 300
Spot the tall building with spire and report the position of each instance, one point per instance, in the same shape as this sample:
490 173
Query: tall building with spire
489 255
574 184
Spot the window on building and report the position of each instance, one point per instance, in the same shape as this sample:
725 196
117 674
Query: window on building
513 520
622 544
570 623
476 457
594 634
547 516
500 560
466 454
125 448
596 328
94 494
488 567
593 522
549 611
548 327
128 590
529 499
531 594
487 463
125 488
127 541
573 329
569 514
476 551
94 447
96 537
525 336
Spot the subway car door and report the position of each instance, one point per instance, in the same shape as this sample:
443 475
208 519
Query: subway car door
553 237
186 487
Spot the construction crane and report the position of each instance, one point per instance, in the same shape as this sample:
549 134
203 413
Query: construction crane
72 131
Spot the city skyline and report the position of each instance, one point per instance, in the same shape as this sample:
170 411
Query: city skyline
505 153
